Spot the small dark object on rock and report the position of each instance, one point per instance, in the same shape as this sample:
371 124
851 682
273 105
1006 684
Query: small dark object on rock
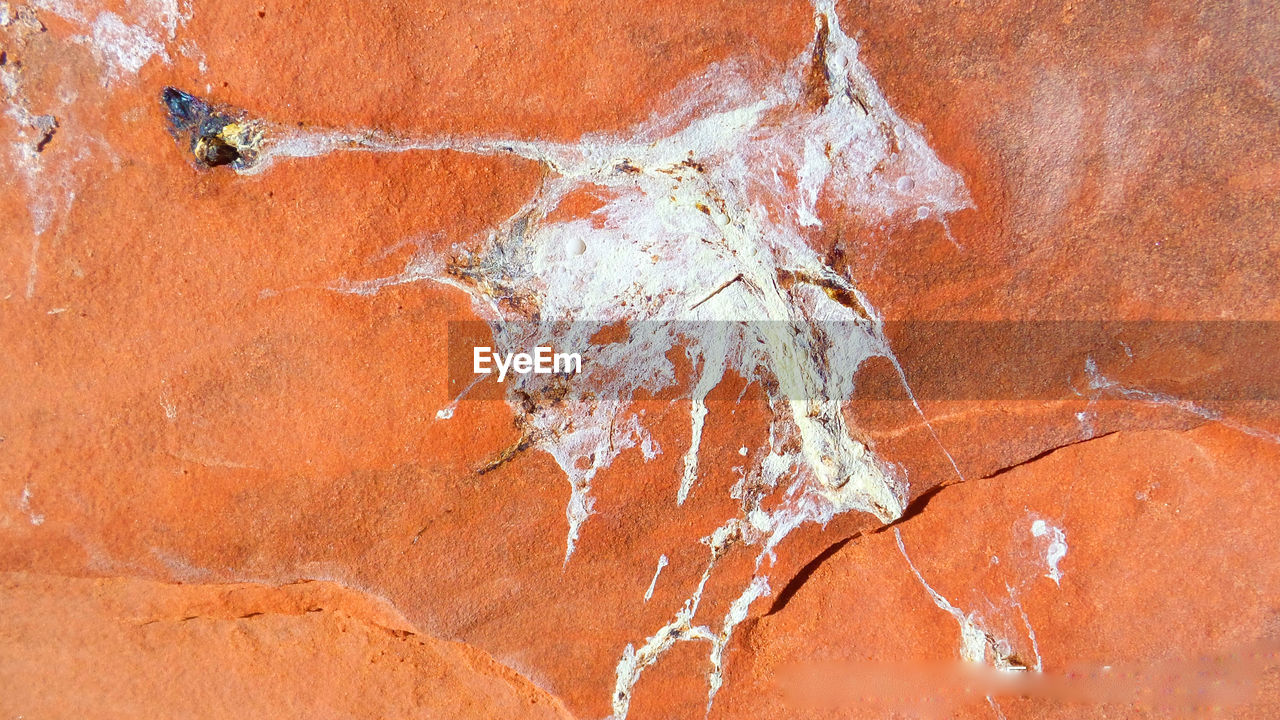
216 135
47 125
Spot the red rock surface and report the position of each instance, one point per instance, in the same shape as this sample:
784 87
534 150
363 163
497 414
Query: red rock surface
1162 607
191 398
131 648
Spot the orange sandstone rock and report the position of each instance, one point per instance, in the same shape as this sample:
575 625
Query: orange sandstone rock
1120 575
133 648
218 377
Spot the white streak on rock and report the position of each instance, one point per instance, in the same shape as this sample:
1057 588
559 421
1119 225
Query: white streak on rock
65 9
122 45
1026 623
977 643
446 412
680 629
49 190
758 588
662 562
1100 383
973 639
714 354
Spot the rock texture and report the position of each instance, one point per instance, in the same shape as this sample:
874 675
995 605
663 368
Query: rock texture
128 648
1061 567
240 374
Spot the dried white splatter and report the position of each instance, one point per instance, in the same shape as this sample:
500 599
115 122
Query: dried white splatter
1055 550
705 220
122 45
977 644
170 410
122 48
48 192
699 225
24 504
